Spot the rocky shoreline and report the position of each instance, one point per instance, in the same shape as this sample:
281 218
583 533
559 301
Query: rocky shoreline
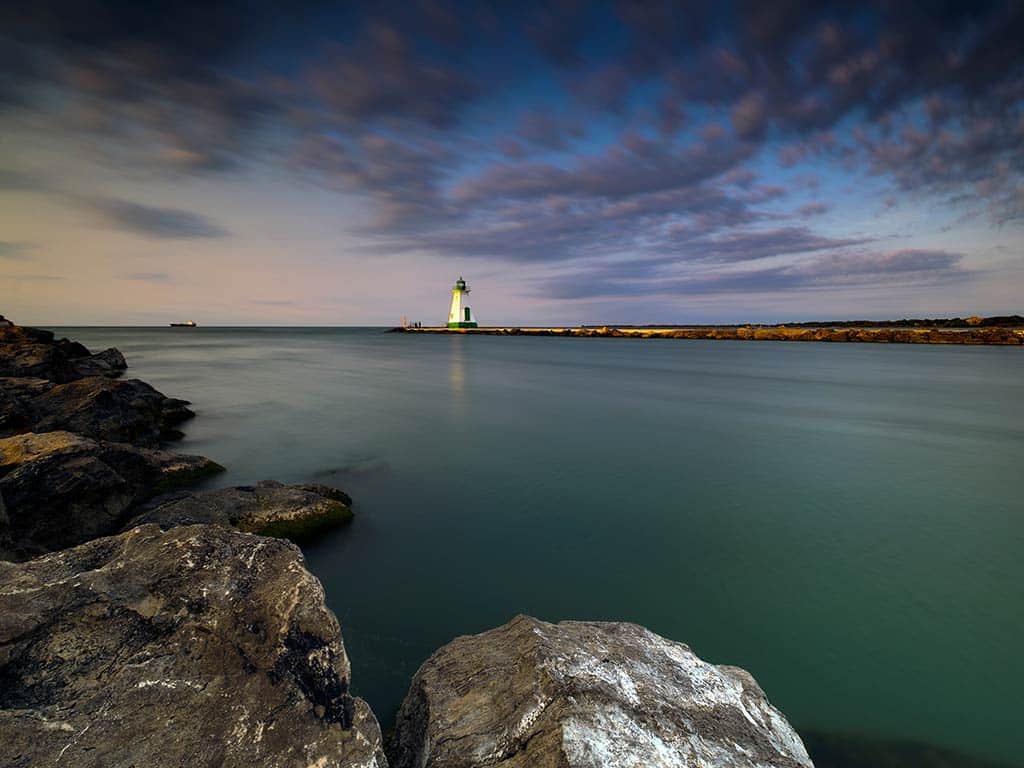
995 336
144 623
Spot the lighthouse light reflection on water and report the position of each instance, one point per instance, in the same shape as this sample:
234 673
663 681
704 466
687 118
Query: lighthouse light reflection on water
460 315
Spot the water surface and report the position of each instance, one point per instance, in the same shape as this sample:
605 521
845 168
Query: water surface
843 520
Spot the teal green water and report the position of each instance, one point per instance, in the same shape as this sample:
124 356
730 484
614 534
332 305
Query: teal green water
846 521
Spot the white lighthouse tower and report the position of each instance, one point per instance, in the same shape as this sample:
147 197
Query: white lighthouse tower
460 315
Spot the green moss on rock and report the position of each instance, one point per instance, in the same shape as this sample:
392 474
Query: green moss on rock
176 479
302 528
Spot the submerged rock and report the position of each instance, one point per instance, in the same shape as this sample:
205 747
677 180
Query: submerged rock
269 508
588 694
61 489
198 646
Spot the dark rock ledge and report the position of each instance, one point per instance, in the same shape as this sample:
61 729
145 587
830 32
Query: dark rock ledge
60 489
48 384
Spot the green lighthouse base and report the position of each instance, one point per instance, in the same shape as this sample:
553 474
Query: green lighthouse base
464 324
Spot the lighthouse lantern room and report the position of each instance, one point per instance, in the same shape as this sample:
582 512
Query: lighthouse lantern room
460 315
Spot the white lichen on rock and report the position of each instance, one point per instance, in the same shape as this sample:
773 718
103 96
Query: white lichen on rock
586 695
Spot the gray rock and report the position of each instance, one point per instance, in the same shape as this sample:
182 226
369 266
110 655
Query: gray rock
588 694
125 411
109 362
198 646
34 352
16 393
68 388
61 489
38 360
269 508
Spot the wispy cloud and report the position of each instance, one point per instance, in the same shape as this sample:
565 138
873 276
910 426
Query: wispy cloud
154 222
14 251
35 278
17 180
147 277
824 272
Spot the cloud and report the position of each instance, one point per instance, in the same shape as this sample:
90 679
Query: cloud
546 131
939 160
386 76
749 116
751 246
14 251
159 223
825 272
633 166
147 277
19 181
813 209
402 180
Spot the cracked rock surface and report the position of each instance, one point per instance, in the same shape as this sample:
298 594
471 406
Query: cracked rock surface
48 384
34 352
196 646
586 694
60 489
269 508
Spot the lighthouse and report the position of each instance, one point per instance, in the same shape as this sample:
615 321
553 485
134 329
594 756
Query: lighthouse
460 315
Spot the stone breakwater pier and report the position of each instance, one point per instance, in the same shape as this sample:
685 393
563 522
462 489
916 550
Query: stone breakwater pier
996 336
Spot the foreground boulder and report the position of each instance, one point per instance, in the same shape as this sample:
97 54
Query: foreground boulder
589 694
60 489
269 508
198 646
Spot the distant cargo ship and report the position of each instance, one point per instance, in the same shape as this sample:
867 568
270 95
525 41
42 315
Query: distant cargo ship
189 324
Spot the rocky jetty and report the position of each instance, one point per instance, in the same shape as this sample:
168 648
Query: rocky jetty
60 489
269 508
51 384
997 336
585 695
36 353
79 446
121 410
197 646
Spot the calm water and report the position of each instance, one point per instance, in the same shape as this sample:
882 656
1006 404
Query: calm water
845 521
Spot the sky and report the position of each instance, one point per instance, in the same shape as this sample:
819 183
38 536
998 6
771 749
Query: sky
331 163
